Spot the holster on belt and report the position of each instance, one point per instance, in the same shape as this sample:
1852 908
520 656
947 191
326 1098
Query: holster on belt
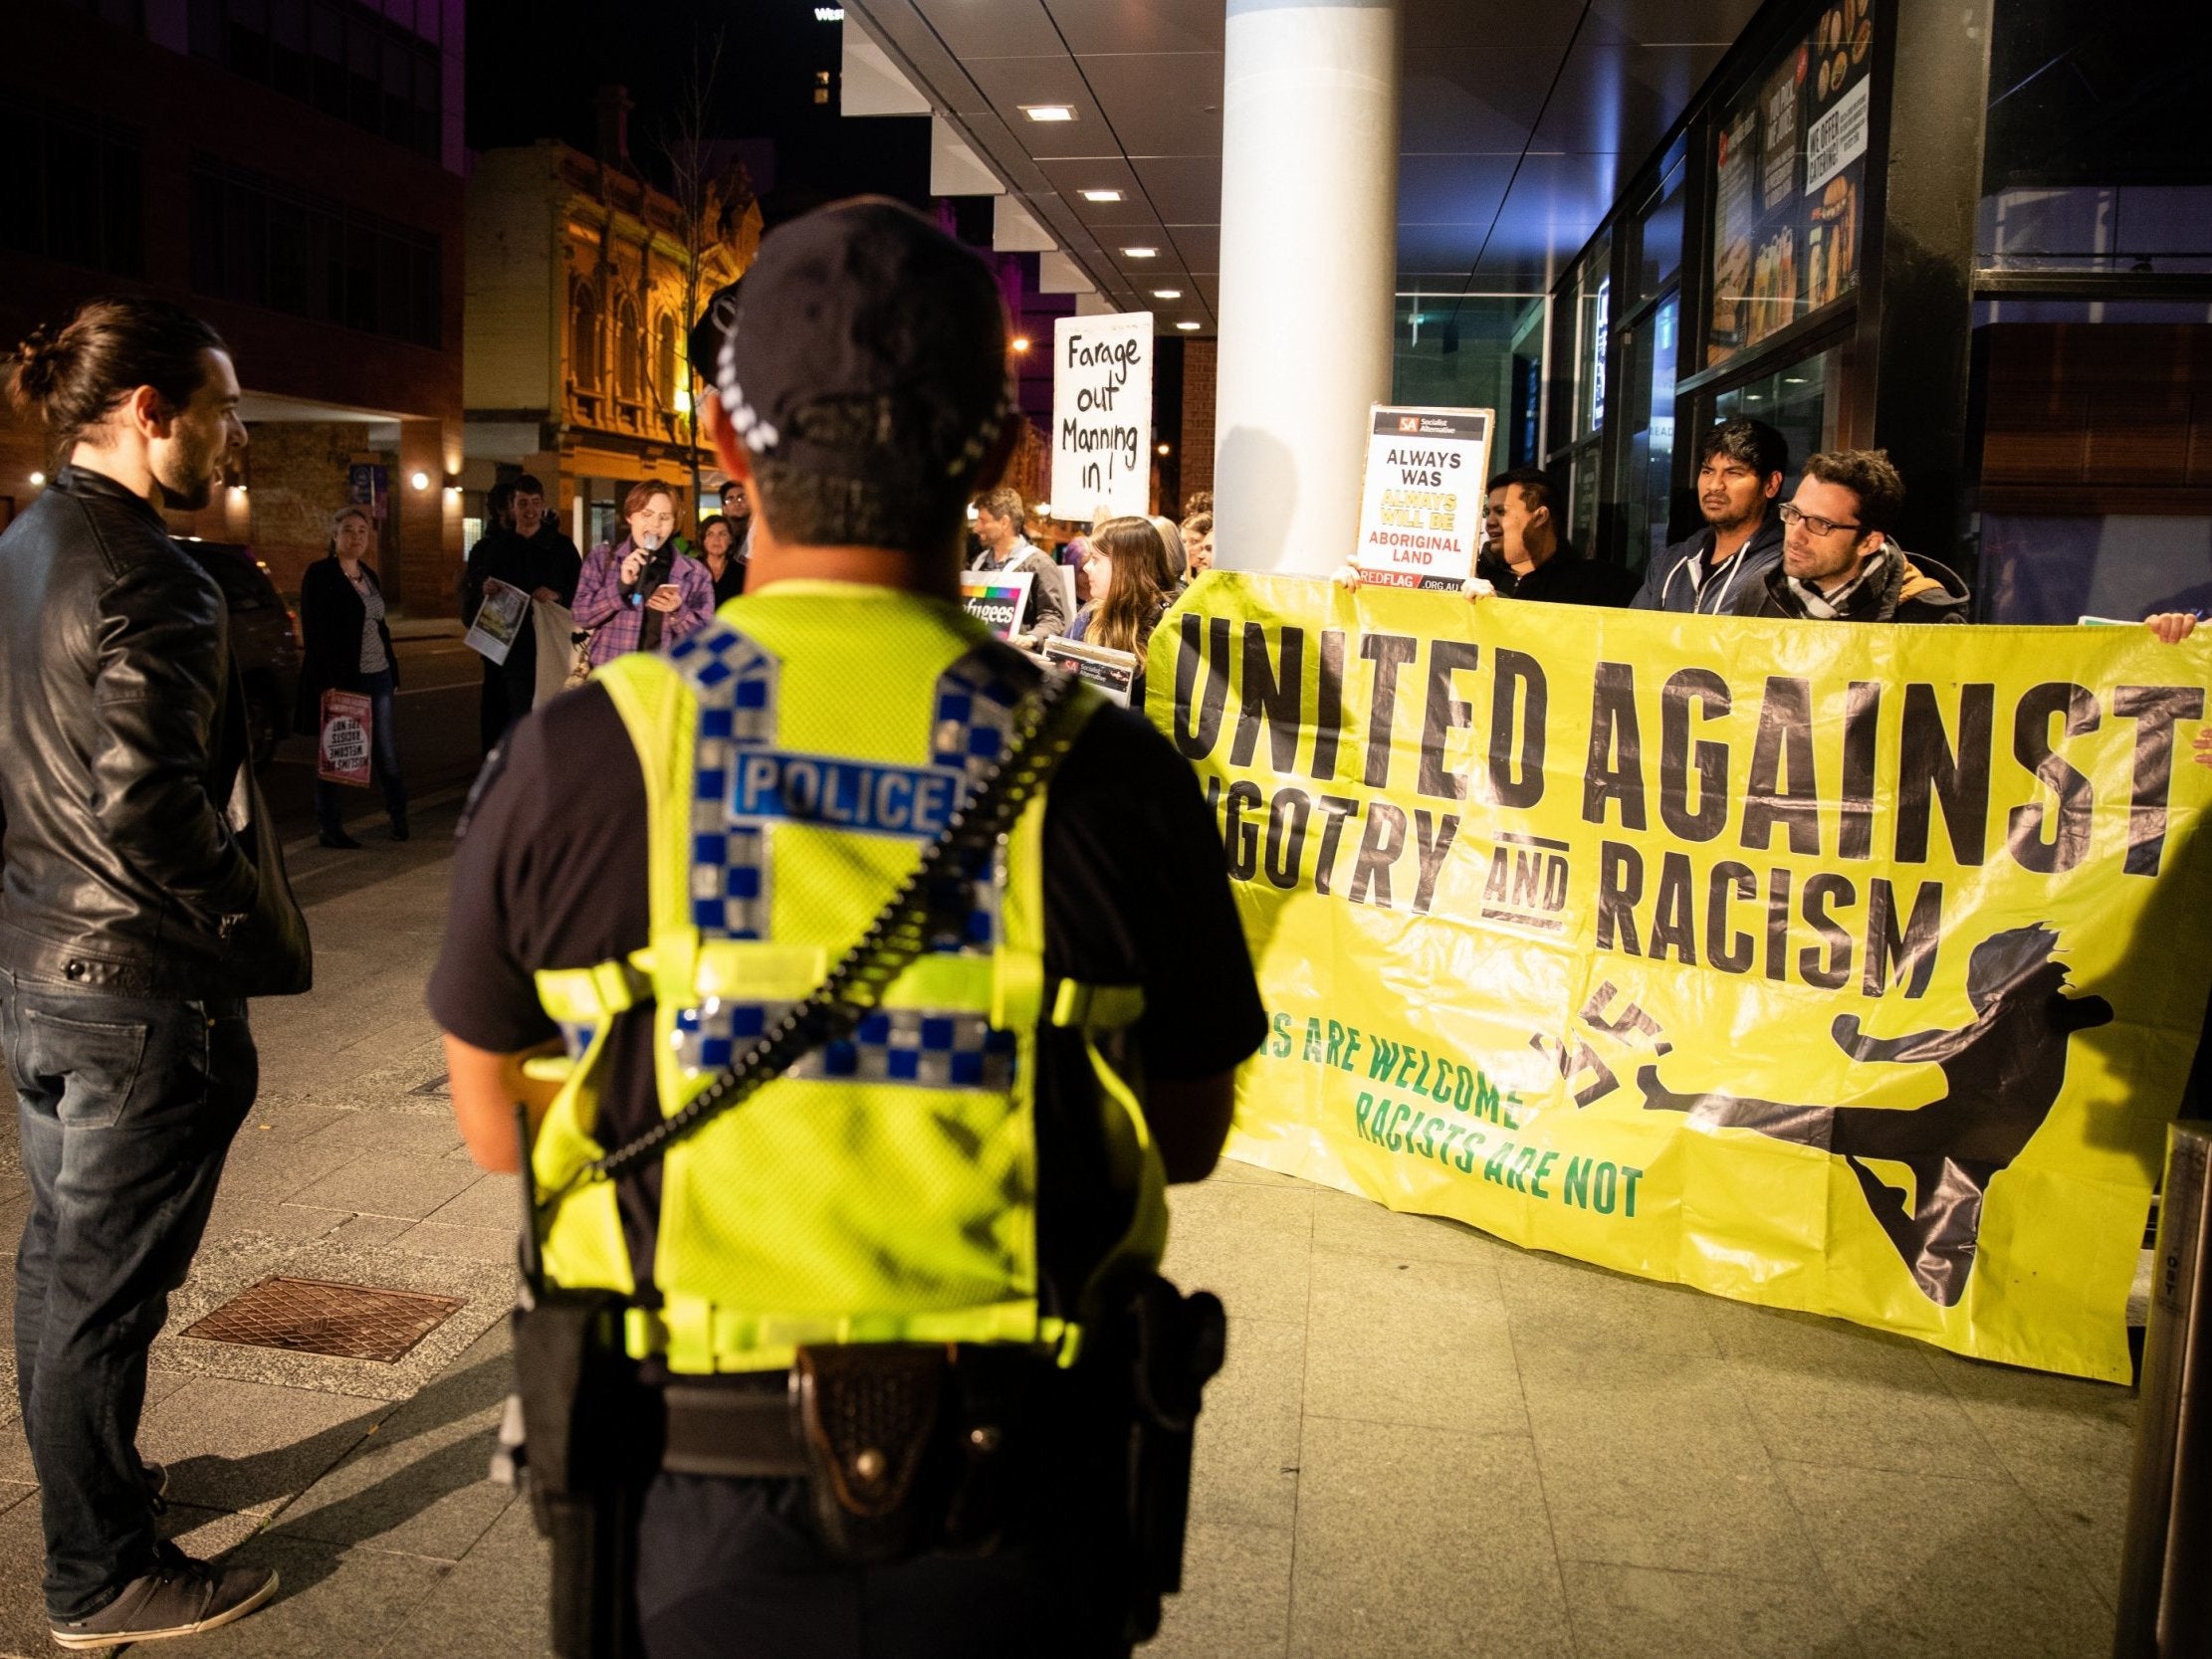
868 1425
590 1432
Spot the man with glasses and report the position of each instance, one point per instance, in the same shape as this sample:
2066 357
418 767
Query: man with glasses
1739 478
1838 563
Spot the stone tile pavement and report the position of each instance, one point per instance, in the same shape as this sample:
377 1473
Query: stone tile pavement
1426 1443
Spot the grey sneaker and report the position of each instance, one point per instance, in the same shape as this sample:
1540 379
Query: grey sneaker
180 1598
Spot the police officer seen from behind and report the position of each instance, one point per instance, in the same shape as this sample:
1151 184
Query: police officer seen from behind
1739 478
860 1379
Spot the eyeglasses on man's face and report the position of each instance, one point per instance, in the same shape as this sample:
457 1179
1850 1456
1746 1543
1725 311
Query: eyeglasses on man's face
1792 514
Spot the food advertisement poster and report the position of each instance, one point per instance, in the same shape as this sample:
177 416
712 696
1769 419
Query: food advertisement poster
1790 184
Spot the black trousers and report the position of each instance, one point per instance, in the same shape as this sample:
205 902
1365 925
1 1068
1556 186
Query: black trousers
127 1108
728 1569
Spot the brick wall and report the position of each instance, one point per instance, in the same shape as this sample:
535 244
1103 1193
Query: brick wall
1198 416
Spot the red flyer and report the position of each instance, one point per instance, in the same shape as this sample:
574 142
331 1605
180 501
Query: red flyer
342 756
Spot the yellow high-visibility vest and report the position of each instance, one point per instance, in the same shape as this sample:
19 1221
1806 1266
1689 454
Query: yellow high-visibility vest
799 753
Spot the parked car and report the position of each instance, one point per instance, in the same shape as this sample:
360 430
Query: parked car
261 638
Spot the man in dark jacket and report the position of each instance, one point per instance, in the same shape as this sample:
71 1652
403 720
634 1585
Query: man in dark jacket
535 557
1527 559
1739 478
145 899
1838 561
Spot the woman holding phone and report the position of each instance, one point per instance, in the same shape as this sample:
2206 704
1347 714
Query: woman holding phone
642 594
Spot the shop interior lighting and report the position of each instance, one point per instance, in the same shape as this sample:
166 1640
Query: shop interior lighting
1166 294
1049 112
421 481
1102 195
1188 328
38 481
1163 448
1019 343
1140 253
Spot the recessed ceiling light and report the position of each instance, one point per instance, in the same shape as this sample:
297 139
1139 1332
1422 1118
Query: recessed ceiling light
1188 328
1140 253
1049 112
1166 294
1102 195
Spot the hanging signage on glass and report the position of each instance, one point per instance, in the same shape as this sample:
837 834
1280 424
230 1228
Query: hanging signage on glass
1420 510
1102 412
1789 173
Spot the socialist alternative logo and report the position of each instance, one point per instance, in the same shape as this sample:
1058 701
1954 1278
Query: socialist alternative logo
2003 1070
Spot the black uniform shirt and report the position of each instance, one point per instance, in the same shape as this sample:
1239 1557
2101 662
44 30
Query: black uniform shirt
552 874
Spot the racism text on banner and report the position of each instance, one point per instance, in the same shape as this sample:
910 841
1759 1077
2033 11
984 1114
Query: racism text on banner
1848 968
1102 413
997 598
1420 510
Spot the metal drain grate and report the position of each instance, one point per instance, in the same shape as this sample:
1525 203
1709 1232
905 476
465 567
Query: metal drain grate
313 1316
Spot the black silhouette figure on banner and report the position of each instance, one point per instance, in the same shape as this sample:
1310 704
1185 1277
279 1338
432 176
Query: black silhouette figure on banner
2004 1072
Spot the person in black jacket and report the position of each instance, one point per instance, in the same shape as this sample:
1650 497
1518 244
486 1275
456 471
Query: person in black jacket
345 646
144 900
1527 558
535 557
1838 563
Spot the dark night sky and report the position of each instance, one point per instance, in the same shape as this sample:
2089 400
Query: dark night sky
532 67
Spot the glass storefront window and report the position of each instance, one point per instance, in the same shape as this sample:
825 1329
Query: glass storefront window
2096 158
1649 354
1789 183
1658 235
1593 313
1798 401
1455 351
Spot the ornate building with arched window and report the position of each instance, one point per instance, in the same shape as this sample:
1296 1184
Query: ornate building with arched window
579 276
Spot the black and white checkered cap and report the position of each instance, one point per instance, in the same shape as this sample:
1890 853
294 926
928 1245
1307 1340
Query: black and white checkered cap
863 341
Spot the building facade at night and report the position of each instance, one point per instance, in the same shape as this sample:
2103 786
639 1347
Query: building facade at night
293 172
579 288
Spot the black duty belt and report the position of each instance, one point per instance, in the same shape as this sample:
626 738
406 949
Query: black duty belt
733 1428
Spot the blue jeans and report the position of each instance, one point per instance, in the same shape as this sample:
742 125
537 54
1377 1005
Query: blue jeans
127 1107
383 753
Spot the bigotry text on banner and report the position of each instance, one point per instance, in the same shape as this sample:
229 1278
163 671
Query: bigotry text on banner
1827 967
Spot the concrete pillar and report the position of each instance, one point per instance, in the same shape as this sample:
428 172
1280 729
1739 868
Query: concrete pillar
1309 260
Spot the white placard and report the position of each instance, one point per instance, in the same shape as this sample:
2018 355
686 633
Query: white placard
1102 413
1420 511
1839 138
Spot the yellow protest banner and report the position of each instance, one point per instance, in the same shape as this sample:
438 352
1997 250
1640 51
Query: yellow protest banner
1847 969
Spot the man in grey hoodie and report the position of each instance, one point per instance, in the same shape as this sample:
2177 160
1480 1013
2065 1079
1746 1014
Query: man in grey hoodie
1739 478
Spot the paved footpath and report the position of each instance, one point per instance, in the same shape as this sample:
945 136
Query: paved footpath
1426 1442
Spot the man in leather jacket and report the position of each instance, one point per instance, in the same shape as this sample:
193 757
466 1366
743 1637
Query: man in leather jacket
144 900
